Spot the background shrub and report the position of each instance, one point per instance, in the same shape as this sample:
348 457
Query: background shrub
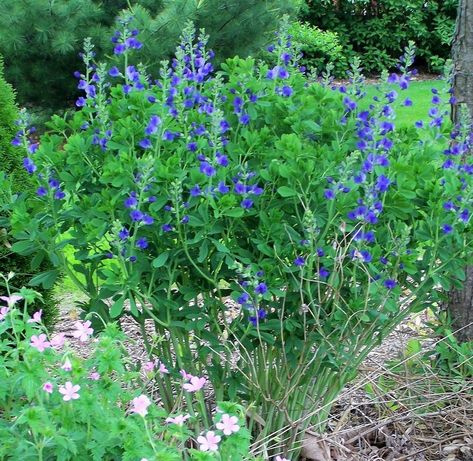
16 182
318 48
378 31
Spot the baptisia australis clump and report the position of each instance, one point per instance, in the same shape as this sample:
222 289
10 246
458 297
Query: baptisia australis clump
251 209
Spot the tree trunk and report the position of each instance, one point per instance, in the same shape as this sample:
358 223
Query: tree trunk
460 304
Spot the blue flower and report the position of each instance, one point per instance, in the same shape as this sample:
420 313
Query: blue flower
324 273
240 188
382 184
195 191
114 72
245 119
286 91
329 194
299 261
131 201
222 188
142 243
185 219
447 229
123 234
119 49
261 288
147 220
221 159
246 203
366 256
464 216
59 194
349 104
145 143
207 169
320 252
153 124
41 191
243 298
80 102
136 215
166 227
390 284
261 316
29 165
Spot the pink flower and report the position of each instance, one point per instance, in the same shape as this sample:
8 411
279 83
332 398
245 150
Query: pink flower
140 405
83 331
67 365
278 458
94 376
48 387
161 367
209 442
196 384
179 419
69 391
228 424
148 367
11 300
58 340
3 312
39 342
36 317
186 376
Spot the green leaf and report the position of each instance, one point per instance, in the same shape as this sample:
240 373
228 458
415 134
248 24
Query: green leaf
160 261
45 279
117 307
24 247
285 191
234 213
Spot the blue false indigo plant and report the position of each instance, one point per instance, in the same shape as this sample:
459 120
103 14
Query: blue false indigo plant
274 230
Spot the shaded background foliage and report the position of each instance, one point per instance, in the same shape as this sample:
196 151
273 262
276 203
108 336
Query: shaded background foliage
377 30
16 182
43 54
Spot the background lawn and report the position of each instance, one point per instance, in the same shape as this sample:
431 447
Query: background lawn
421 95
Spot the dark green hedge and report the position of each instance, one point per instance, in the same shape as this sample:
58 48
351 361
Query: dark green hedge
378 30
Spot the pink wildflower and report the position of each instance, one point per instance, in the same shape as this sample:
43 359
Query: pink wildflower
48 387
278 458
94 376
67 365
161 367
196 384
11 300
209 442
3 312
140 405
58 340
39 342
69 391
186 376
36 317
83 331
179 419
148 367
228 424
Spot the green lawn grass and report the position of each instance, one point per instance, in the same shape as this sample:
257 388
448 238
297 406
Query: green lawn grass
421 95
